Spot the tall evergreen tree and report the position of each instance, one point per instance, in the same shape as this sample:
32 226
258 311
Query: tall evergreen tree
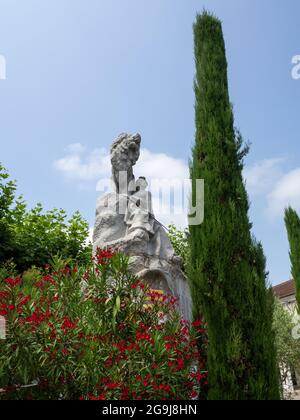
292 222
227 273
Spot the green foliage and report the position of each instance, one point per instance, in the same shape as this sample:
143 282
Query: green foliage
180 242
292 222
32 237
227 270
95 332
7 196
288 348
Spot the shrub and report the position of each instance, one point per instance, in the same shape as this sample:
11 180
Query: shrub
180 242
32 237
287 346
292 222
7 196
96 332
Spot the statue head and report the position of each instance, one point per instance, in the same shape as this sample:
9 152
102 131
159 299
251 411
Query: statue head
141 184
125 151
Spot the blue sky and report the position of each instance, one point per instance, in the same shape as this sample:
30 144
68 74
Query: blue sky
79 72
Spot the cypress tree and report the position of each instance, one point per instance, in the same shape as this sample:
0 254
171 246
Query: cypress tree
227 273
292 222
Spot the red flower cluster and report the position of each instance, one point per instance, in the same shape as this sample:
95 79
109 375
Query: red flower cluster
199 376
199 326
127 358
162 298
68 324
5 309
4 295
138 285
42 283
24 300
37 317
13 282
144 337
65 352
180 364
20 302
102 257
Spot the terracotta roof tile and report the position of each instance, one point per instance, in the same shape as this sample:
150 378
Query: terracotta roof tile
285 289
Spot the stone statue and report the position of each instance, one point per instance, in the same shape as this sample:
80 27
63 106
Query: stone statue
125 152
139 216
125 221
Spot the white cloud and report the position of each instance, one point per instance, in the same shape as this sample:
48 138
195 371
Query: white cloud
265 178
80 166
88 167
168 214
286 192
75 148
159 165
278 187
261 176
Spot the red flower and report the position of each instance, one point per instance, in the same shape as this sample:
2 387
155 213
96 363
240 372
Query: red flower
4 295
197 324
125 394
7 308
144 337
65 352
166 388
102 257
199 376
194 394
113 386
180 364
68 324
25 300
138 285
37 317
109 362
13 282
45 279
173 301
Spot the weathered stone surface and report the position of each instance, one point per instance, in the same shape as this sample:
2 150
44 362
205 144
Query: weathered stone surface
125 221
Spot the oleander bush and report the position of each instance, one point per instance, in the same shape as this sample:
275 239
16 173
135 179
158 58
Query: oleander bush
96 332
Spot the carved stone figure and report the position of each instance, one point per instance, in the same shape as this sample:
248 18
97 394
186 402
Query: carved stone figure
139 216
125 221
125 152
